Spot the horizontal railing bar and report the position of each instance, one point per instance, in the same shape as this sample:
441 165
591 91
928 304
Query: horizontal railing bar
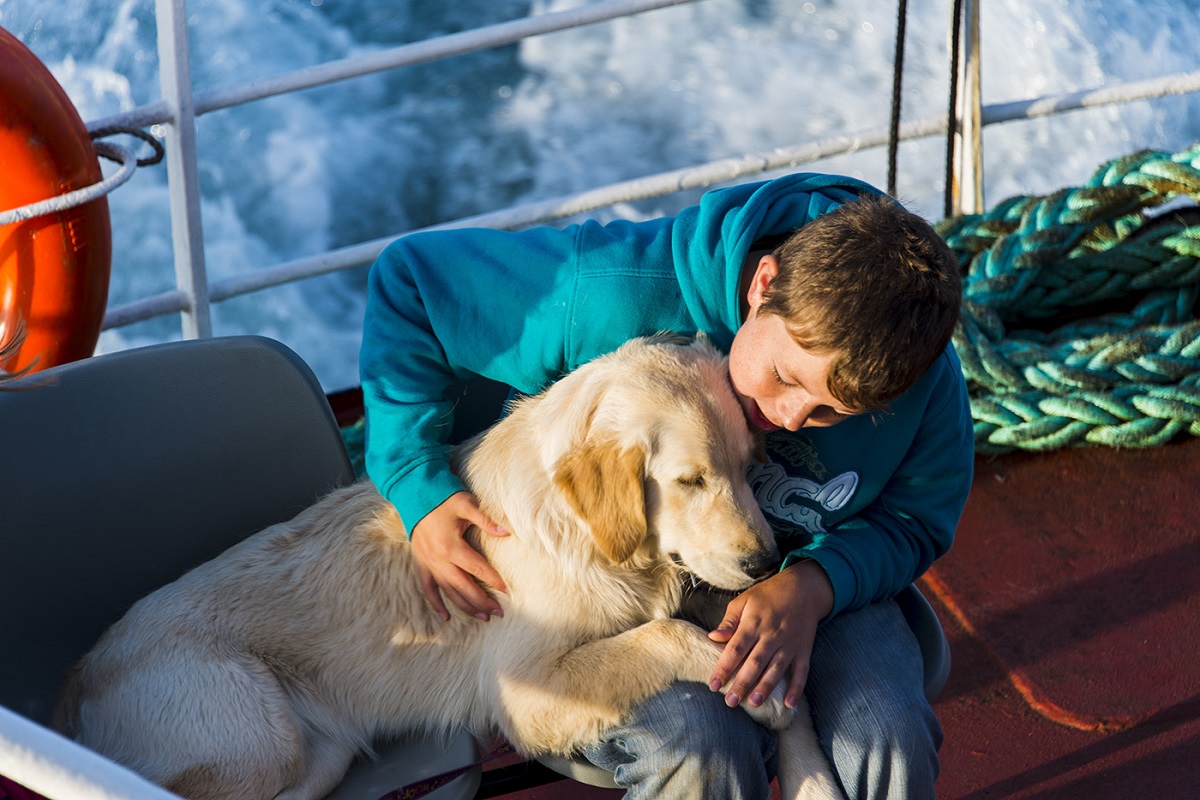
156 305
454 44
154 113
1175 84
1164 86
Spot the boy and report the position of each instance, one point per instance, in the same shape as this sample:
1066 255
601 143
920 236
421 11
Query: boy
836 306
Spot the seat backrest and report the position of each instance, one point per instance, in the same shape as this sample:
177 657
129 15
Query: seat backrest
122 471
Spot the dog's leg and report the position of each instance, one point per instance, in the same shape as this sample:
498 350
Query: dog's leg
565 702
325 764
804 771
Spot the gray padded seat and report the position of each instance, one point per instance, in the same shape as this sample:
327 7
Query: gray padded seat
122 471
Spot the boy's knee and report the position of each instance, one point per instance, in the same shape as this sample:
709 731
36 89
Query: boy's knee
685 743
697 721
891 754
915 737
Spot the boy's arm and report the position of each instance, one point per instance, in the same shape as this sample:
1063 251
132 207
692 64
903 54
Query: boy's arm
440 307
887 545
406 380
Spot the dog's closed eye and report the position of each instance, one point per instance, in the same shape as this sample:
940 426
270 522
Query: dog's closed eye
692 481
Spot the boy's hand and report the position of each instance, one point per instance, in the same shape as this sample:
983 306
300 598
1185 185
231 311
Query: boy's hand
449 565
768 630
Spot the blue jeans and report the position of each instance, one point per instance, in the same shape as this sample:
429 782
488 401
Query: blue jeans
866 693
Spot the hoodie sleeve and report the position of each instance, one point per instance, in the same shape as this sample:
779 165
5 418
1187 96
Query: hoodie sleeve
442 306
522 308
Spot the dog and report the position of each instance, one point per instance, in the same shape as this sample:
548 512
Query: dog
262 673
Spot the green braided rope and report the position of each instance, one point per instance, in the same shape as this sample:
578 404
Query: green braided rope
1128 377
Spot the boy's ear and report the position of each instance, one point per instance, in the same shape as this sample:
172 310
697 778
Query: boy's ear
764 272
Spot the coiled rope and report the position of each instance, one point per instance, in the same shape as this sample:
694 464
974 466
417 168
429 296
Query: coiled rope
1079 310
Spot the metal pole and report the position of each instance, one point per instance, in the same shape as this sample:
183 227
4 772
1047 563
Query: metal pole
175 78
967 191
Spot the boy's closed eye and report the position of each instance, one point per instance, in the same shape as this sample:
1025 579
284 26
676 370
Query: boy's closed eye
823 414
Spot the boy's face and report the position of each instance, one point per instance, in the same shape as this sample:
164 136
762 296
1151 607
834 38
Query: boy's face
779 383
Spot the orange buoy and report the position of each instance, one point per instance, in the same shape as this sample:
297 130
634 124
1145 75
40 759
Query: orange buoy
54 269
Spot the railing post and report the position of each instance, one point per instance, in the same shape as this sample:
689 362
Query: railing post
175 79
967 187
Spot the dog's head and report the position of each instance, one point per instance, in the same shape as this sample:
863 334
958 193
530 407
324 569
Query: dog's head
661 468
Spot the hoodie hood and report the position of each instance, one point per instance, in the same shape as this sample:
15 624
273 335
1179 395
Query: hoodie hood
710 241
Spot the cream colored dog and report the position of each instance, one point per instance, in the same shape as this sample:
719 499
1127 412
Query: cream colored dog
261 673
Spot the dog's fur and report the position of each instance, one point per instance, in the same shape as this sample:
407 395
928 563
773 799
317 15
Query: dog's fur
261 673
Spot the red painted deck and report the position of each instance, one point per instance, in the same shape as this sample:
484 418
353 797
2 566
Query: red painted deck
1072 603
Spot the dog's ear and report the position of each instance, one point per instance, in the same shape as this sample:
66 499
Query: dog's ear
603 484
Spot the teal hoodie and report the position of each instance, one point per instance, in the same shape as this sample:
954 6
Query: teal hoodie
873 499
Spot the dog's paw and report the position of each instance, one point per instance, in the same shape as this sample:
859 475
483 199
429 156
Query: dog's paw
772 713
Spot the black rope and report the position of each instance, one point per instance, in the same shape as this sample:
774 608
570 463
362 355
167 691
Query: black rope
952 116
897 73
138 133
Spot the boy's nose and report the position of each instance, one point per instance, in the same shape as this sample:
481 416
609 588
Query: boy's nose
797 412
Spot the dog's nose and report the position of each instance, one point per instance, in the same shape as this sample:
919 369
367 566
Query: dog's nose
760 565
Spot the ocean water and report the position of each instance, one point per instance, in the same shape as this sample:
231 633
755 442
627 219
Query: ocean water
292 176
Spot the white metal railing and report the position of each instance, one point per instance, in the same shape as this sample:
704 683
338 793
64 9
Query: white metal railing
187 236
657 185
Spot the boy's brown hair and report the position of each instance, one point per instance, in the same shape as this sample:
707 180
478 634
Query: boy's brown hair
874 283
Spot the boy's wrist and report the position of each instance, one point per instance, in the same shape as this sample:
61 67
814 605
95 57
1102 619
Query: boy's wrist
814 585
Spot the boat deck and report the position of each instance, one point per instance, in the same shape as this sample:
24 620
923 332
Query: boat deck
1071 601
